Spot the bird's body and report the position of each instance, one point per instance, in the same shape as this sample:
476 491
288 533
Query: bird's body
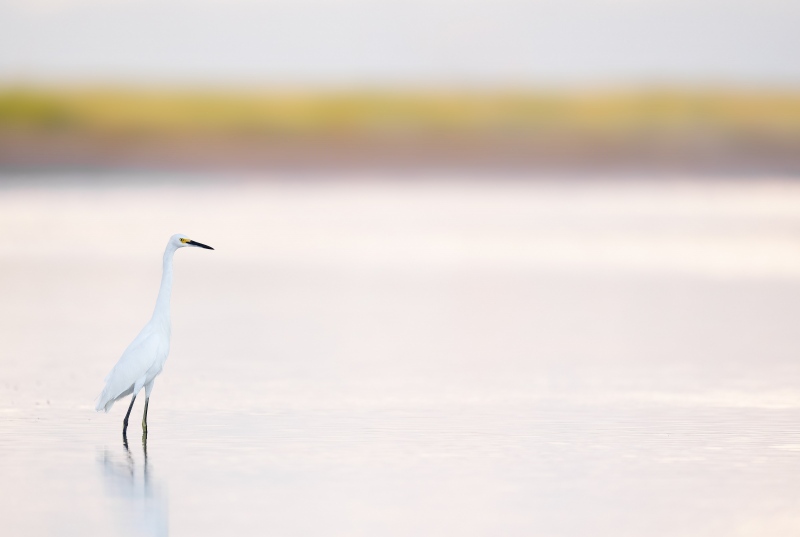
139 365
144 358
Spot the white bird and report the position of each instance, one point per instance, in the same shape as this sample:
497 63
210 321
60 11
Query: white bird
144 358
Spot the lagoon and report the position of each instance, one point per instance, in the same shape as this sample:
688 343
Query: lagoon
385 355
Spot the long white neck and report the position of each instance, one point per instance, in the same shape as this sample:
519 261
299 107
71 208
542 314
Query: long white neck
165 291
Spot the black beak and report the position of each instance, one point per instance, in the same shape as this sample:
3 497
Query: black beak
200 244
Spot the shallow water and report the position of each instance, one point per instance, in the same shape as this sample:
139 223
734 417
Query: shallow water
379 357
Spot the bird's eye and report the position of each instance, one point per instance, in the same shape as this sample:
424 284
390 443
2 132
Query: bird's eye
184 241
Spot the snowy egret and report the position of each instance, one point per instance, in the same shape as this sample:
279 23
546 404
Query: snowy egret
144 358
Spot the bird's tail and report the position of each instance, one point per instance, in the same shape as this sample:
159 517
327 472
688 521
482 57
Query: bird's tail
104 401
103 405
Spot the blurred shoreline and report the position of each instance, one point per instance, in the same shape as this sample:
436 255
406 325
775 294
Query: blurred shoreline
661 131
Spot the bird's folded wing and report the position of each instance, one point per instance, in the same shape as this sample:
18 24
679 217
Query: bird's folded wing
140 355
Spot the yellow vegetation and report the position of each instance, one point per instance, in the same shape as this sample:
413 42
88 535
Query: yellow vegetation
396 114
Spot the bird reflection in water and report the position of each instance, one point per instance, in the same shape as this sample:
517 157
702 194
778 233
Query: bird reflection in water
140 502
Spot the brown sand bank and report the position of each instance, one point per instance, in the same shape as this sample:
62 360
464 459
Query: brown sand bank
21 151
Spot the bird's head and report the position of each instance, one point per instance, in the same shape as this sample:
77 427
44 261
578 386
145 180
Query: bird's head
180 240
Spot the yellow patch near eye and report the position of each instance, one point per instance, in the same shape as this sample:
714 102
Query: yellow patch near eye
184 241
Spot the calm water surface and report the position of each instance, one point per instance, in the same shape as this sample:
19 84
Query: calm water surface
378 357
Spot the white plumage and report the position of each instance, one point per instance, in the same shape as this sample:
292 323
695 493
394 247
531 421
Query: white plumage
144 358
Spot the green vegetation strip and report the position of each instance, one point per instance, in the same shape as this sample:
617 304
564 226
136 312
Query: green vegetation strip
515 113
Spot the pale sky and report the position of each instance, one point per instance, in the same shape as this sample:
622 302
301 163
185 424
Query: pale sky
409 42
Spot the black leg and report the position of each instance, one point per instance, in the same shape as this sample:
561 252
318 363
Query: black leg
125 421
144 418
